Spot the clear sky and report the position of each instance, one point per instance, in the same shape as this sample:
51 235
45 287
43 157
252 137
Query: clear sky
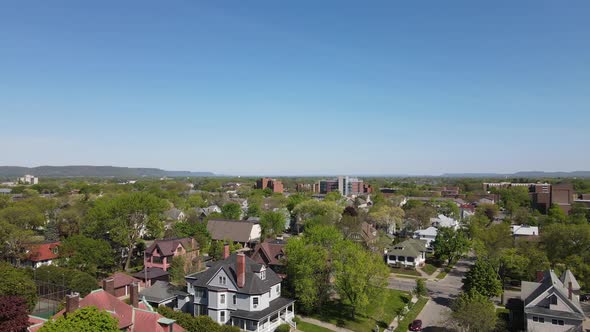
297 87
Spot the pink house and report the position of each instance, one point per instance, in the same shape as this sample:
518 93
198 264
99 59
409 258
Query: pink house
158 257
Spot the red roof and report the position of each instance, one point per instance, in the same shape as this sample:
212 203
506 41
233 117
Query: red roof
269 252
122 279
42 251
134 319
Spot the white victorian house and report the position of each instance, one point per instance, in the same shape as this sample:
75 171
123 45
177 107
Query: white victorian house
240 292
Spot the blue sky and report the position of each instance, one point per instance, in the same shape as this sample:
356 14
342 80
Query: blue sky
299 87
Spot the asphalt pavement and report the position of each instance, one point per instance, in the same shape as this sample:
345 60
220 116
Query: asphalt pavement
436 311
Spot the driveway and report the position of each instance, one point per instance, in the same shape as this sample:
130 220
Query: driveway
441 293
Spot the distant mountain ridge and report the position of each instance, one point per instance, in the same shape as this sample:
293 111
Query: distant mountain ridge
95 171
522 174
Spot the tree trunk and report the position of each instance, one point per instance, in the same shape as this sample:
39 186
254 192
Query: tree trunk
353 313
128 260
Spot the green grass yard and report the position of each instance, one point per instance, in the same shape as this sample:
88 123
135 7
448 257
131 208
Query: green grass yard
338 313
429 268
406 271
412 314
308 327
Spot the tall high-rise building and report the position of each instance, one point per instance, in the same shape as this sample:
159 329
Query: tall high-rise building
344 185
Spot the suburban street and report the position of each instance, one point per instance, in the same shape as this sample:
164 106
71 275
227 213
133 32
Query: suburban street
441 292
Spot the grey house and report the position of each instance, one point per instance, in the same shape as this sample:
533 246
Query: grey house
552 303
240 292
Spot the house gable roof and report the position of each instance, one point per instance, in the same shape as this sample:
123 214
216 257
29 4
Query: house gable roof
234 230
410 247
253 284
269 252
129 318
167 247
42 251
550 286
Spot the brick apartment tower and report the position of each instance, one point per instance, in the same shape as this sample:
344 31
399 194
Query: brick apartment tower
273 184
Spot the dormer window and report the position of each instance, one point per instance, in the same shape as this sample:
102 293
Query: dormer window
262 274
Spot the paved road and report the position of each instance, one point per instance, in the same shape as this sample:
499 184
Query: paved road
441 292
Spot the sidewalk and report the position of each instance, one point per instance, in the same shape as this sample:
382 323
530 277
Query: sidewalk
324 324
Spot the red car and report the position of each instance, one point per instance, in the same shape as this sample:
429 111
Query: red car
416 325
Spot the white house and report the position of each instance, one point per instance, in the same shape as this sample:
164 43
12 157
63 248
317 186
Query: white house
28 179
411 252
552 304
240 292
443 221
524 230
428 235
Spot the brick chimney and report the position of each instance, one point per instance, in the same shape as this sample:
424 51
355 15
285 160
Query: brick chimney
226 251
134 295
241 269
569 290
72 302
108 285
540 276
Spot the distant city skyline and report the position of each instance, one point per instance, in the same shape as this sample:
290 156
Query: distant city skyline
299 88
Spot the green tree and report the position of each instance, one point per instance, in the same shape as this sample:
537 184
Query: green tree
195 229
333 196
488 210
512 265
450 244
449 209
494 239
387 216
309 273
75 280
360 276
231 211
18 283
294 200
87 319
125 218
86 254
556 214
420 289
514 197
318 211
560 241
483 279
421 214
473 312
272 223
23 216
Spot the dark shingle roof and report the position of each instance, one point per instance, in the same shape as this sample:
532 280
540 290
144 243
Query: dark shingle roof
160 292
253 284
274 306
168 246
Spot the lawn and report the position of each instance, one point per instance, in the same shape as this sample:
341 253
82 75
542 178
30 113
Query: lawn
407 271
412 314
429 269
338 313
308 327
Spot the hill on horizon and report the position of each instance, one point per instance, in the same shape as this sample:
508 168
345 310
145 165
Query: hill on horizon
95 171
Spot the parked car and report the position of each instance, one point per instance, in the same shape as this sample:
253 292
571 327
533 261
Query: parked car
416 325
585 297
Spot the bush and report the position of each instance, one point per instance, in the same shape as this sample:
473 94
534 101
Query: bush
283 328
